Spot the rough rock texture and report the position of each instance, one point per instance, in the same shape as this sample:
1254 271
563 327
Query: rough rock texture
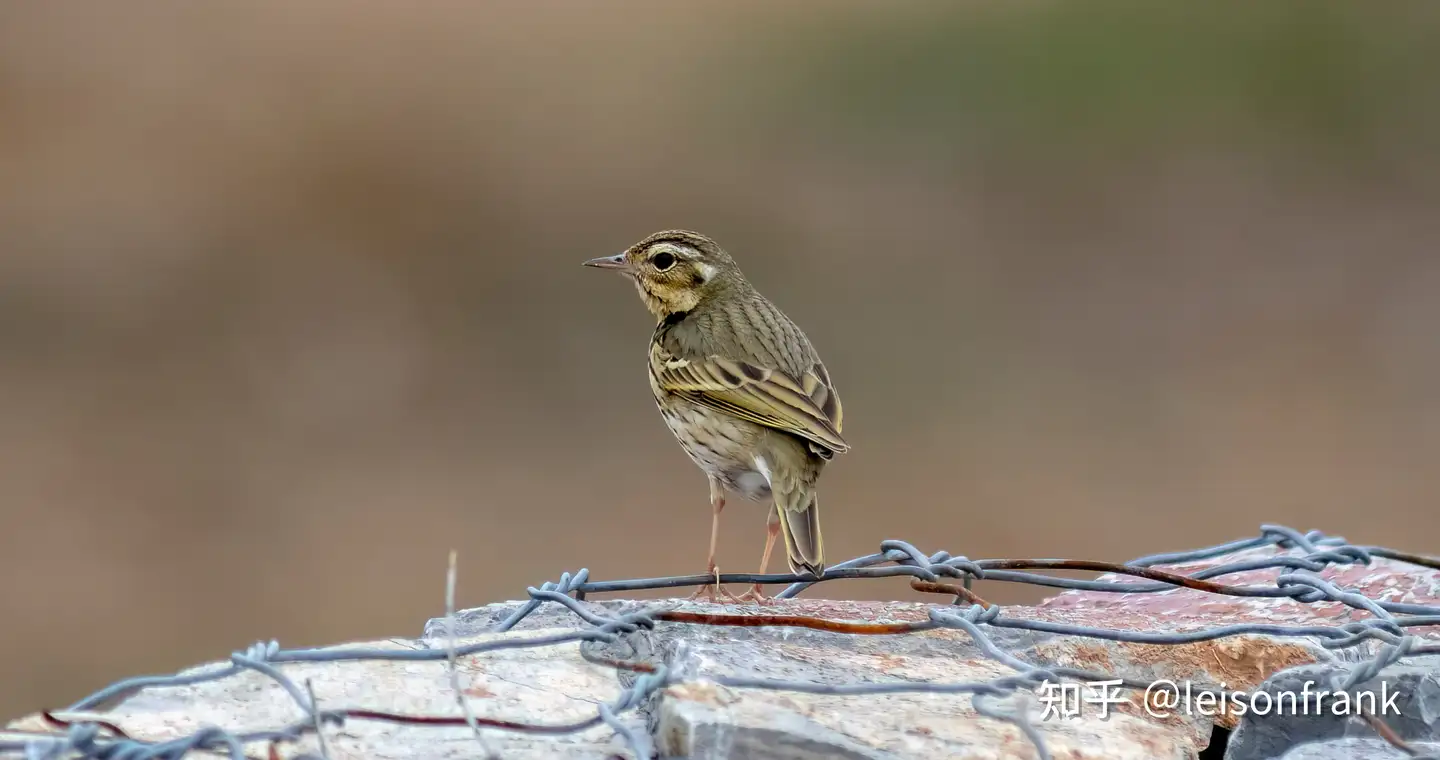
1243 663
1355 749
702 718
553 685
1414 713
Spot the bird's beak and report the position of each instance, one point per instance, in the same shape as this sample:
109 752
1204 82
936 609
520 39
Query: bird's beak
609 262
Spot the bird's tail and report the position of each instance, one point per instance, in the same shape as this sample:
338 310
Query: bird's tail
800 525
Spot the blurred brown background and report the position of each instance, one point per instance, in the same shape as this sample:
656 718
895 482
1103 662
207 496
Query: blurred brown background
291 304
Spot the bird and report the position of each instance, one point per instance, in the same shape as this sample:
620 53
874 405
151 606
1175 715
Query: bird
741 388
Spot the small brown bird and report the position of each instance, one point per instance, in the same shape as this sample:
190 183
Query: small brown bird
739 385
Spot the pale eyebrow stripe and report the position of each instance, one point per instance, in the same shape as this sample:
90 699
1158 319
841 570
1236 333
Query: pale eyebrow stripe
679 249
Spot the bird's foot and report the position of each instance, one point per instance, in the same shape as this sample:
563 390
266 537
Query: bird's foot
756 596
703 594
714 593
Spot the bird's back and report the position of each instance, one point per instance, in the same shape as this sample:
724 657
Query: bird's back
749 329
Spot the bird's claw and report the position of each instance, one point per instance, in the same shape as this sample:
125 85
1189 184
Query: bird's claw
756 596
714 593
703 594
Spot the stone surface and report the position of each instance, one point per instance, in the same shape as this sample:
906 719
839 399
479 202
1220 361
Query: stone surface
1189 609
707 715
1355 749
551 685
1415 717
702 719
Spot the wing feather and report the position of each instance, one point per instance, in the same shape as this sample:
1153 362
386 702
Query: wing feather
806 406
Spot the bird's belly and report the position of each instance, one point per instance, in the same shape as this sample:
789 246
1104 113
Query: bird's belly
721 445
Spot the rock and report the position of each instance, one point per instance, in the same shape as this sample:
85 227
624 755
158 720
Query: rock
551 685
1411 692
1190 609
1354 749
704 719
713 704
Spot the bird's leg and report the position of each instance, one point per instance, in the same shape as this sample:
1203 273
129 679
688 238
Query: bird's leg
772 529
717 504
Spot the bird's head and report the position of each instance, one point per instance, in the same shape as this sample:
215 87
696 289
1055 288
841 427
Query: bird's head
675 270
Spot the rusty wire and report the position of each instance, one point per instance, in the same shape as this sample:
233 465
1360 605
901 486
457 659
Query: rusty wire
94 738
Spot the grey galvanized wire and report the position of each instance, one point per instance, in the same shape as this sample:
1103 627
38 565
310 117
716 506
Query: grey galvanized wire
1387 624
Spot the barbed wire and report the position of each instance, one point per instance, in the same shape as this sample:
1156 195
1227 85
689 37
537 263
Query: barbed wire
1004 699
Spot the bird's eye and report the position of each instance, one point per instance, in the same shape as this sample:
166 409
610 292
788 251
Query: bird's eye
663 261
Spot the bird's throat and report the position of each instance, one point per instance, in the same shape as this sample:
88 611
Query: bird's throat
662 302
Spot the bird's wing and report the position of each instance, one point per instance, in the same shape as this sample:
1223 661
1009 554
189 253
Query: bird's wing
806 406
